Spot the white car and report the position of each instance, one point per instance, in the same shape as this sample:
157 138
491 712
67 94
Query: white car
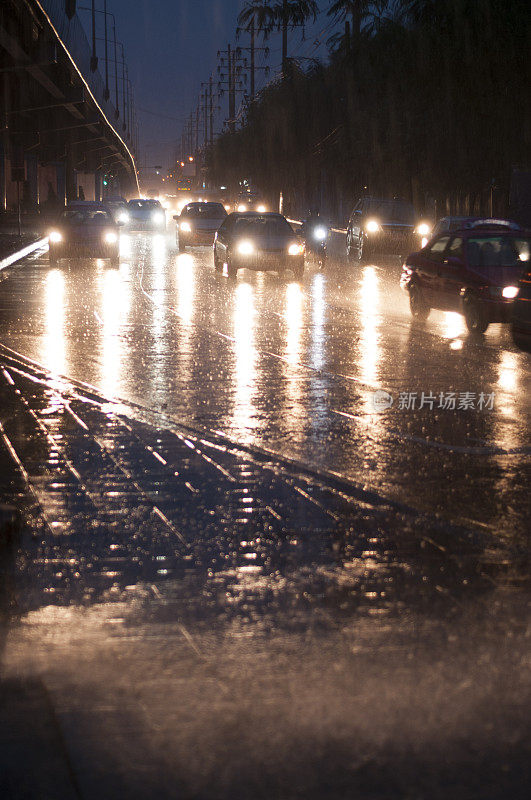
146 215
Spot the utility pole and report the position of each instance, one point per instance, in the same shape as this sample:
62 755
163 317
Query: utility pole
107 93
284 37
196 130
211 137
252 58
94 58
205 113
232 94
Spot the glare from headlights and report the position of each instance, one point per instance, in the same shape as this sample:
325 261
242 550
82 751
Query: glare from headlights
510 292
55 237
319 233
245 248
185 227
372 226
123 217
423 229
157 217
242 208
111 237
261 209
296 249
227 208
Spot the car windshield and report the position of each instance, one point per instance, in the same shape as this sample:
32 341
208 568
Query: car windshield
488 254
392 211
144 204
93 216
261 226
205 210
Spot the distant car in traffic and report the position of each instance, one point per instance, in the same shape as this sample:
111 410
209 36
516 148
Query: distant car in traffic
85 230
521 316
259 242
250 201
380 225
197 224
118 208
146 215
448 224
474 271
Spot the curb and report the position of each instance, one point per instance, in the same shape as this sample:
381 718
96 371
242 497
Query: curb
30 248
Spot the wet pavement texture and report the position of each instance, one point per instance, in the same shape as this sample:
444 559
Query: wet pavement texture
234 577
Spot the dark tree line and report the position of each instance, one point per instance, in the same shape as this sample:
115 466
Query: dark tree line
426 99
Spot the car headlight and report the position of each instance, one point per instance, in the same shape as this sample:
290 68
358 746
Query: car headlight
296 249
227 208
185 227
123 217
55 237
372 226
110 237
320 233
158 217
510 292
423 229
242 207
245 248
261 209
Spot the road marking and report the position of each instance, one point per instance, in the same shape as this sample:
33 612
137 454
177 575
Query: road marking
20 254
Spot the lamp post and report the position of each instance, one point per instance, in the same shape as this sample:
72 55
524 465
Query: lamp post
106 14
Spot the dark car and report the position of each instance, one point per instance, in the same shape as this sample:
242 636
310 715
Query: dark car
198 222
521 317
448 224
258 242
250 201
379 225
118 208
85 230
474 271
146 215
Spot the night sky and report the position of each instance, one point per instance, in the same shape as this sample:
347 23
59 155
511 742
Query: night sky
170 47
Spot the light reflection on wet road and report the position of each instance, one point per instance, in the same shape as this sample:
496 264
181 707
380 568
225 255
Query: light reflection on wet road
290 367
211 621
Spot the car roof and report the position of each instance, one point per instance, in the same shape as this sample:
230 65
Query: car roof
251 214
85 204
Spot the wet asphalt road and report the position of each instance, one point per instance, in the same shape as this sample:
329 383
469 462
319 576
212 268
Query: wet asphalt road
291 367
242 581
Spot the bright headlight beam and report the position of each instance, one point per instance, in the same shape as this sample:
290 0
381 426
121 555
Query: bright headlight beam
111 237
185 227
55 237
423 229
261 209
510 292
245 248
242 208
296 249
319 233
372 226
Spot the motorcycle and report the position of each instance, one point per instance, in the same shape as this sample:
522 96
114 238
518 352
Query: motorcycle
315 236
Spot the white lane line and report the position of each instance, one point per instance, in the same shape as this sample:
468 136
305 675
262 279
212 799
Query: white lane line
20 254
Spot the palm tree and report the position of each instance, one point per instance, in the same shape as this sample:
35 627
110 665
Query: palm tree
268 15
290 14
257 14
